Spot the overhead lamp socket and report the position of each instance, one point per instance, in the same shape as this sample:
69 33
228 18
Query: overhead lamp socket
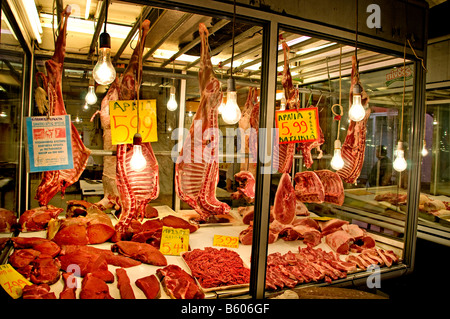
356 89
231 85
137 139
105 40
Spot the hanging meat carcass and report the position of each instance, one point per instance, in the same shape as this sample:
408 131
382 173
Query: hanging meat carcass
197 167
355 142
282 162
249 125
55 181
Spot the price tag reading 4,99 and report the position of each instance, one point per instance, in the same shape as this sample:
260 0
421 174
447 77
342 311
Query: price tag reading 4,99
124 120
226 241
12 281
298 126
174 241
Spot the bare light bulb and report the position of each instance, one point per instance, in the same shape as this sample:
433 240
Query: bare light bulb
400 163
221 106
86 106
172 104
137 162
91 98
104 72
337 162
357 111
231 114
424 149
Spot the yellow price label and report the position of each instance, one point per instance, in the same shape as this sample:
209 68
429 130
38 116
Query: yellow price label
12 281
174 241
298 126
124 121
226 241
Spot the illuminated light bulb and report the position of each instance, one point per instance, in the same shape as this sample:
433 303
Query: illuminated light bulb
221 106
172 103
424 149
138 162
231 114
356 112
91 98
337 162
400 163
86 106
104 72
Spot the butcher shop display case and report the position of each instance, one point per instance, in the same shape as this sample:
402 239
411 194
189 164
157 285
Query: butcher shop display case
234 151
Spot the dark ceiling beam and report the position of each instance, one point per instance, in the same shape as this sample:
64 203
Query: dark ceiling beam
178 24
98 27
219 25
59 11
147 13
248 33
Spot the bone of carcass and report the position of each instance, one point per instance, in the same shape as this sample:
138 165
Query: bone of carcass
249 125
42 245
150 286
94 288
124 284
140 251
354 144
246 188
8 220
136 189
38 218
197 167
55 181
95 228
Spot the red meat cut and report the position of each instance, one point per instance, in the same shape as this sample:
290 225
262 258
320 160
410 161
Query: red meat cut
150 286
140 251
86 262
246 188
37 218
197 166
284 203
42 245
37 292
70 288
95 228
339 241
124 285
7 220
94 288
177 222
55 181
178 284
333 187
308 187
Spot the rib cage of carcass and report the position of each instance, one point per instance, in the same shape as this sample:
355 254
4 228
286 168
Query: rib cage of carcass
197 167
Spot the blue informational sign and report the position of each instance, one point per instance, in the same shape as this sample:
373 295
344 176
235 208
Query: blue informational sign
49 143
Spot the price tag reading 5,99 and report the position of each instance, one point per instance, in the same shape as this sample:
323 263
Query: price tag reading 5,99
174 241
226 241
298 126
124 121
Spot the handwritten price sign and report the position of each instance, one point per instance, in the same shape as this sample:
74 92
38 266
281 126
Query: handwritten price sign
298 126
124 120
12 281
226 241
174 241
